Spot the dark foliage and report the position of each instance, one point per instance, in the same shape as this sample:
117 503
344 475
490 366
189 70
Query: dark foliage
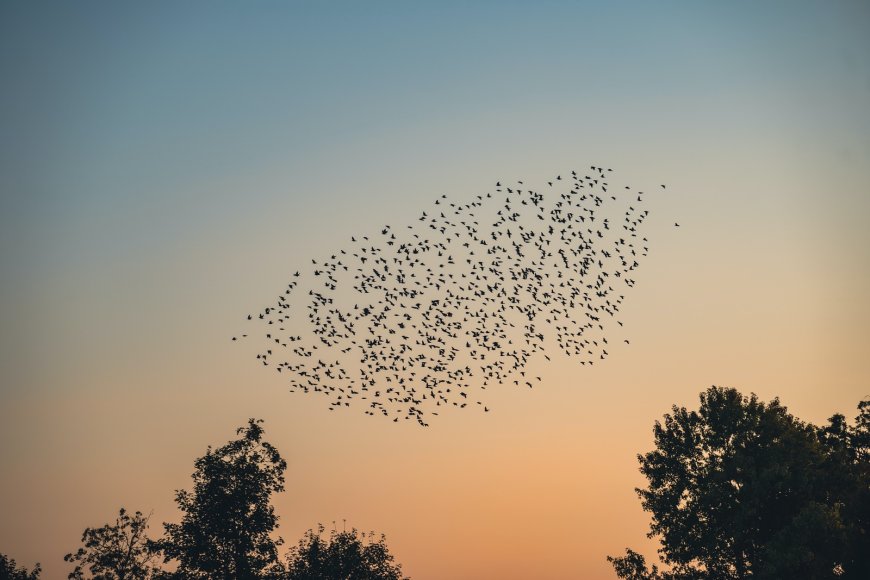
343 555
225 532
9 570
116 551
743 489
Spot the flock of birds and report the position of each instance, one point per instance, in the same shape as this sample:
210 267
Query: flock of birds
412 320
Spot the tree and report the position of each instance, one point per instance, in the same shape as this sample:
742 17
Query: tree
848 468
228 520
9 570
342 556
115 552
743 489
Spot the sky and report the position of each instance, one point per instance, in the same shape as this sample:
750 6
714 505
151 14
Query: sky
165 167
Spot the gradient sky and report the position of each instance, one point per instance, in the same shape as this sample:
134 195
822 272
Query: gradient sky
165 166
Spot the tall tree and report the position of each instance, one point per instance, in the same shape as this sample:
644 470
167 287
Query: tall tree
346 555
743 489
225 532
118 551
9 570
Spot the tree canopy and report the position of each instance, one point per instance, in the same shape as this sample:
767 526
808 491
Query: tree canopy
228 519
9 570
118 551
346 555
742 489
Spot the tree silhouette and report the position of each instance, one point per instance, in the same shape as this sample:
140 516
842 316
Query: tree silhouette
742 489
848 469
227 522
9 570
115 552
346 555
